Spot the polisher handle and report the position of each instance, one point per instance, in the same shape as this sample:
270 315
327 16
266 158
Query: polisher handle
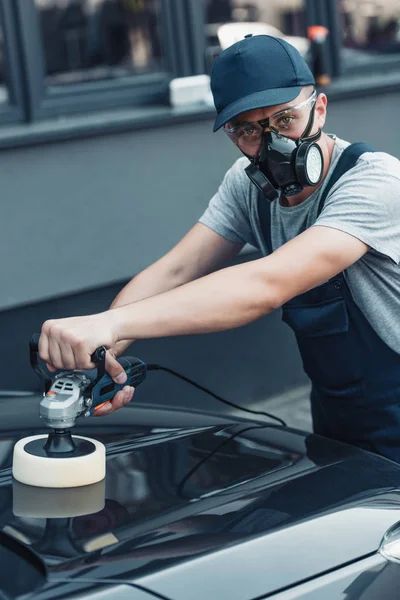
41 371
98 357
34 348
34 342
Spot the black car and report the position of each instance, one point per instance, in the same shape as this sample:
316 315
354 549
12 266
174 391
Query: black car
200 507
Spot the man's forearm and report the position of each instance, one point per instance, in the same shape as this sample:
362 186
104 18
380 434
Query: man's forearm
229 298
200 252
150 282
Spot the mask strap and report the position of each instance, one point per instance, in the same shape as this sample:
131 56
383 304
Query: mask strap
312 138
316 136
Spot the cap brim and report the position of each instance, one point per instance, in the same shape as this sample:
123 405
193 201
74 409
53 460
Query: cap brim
261 99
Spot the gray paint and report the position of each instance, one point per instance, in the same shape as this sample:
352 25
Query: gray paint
84 213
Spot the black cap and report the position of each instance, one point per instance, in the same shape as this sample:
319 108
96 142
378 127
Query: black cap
255 72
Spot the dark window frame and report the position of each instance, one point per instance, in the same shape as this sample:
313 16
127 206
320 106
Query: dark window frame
182 58
327 13
14 110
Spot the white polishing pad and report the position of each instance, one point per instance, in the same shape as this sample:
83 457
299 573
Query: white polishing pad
58 472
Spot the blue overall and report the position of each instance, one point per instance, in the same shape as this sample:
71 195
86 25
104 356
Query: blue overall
355 375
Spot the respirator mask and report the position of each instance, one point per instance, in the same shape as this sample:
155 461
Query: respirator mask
286 165
278 161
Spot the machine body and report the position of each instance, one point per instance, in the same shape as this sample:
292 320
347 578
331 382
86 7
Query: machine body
71 394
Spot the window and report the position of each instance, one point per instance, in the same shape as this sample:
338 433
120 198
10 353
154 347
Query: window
63 57
84 55
91 40
4 94
371 31
11 97
228 21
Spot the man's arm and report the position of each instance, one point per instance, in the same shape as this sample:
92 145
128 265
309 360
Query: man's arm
241 294
229 298
200 252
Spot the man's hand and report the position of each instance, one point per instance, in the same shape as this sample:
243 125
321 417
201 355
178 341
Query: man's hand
69 344
118 375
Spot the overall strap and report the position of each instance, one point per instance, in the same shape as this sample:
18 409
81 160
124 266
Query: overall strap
346 162
264 214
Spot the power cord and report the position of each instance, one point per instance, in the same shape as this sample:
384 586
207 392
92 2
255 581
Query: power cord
154 367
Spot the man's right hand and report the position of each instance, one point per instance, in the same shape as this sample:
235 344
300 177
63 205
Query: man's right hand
117 373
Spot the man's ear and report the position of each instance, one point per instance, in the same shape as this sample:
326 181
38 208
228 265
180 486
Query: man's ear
320 110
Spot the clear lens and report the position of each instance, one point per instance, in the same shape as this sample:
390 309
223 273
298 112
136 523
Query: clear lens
247 136
290 122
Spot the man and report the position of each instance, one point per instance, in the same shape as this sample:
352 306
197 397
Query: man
326 216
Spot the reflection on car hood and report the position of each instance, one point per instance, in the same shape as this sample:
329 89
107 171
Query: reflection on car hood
193 500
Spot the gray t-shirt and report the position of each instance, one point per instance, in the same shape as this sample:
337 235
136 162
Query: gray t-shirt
365 203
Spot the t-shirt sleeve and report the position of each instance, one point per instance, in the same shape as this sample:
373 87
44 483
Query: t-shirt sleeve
365 203
227 213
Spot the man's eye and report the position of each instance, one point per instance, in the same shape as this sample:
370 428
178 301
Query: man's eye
286 120
249 131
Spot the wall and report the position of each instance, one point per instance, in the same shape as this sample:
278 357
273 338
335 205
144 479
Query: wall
83 213
87 214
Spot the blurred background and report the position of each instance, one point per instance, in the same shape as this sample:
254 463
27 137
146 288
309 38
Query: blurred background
100 174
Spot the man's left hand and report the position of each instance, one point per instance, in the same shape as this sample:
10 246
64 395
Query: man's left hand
69 343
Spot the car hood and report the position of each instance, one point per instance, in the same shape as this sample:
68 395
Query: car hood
187 499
